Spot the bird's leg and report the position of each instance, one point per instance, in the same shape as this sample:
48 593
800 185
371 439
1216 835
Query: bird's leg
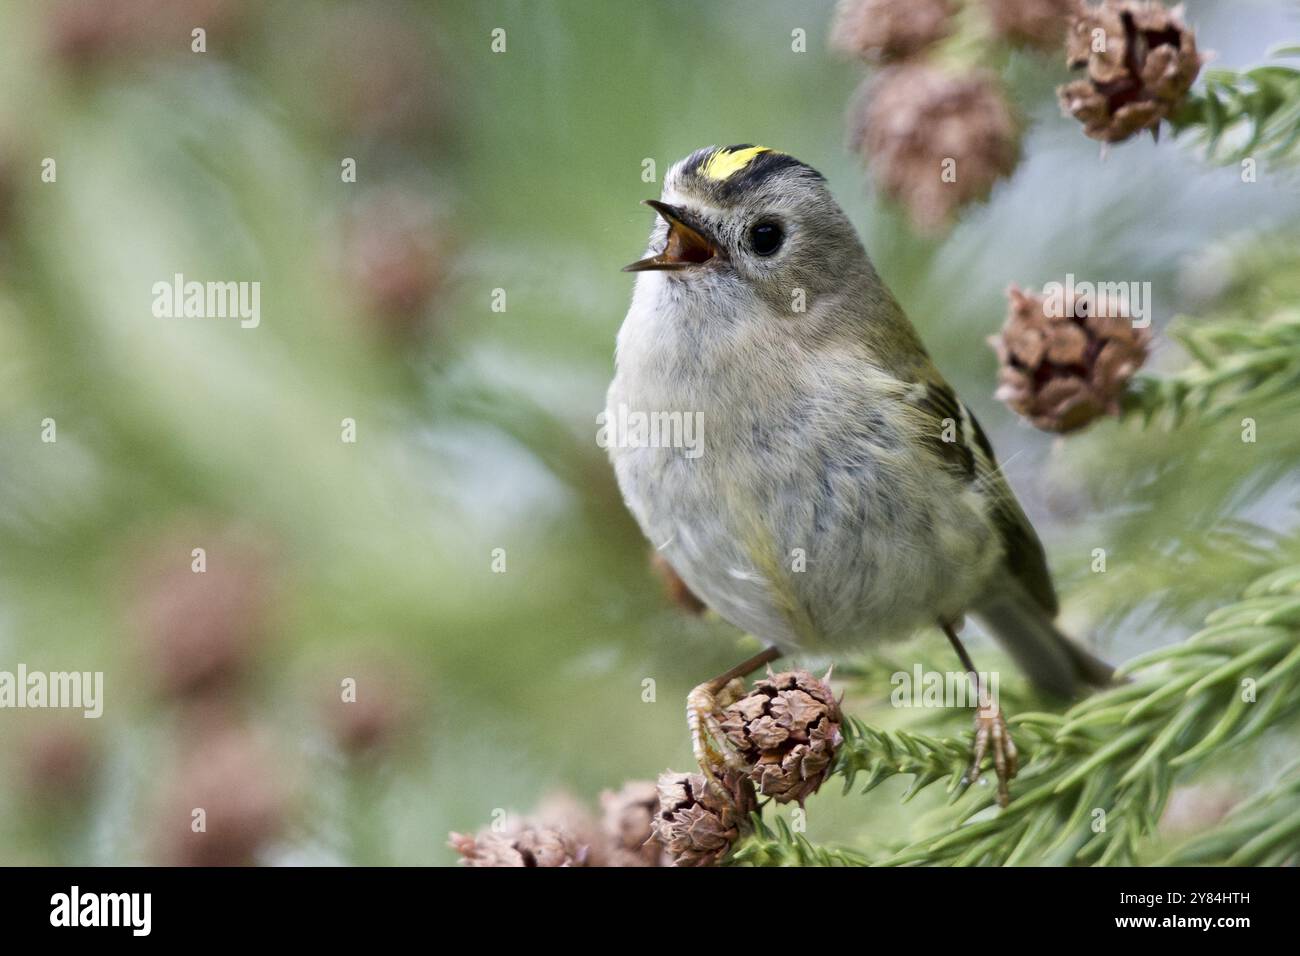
990 728
704 706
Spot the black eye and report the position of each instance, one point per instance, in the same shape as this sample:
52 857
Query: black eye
765 238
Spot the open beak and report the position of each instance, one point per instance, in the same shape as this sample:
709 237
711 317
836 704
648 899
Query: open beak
686 246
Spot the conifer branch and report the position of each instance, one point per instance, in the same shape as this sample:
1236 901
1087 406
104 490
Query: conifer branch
880 754
1097 777
1235 363
1259 107
1263 831
778 845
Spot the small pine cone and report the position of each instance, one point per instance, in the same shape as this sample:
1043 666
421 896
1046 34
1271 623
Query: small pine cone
628 824
1148 64
364 73
563 832
376 714
695 823
788 729
82 34
200 631
884 31
937 140
59 764
243 787
1041 24
394 256
526 845
1061 372
566 813
675 588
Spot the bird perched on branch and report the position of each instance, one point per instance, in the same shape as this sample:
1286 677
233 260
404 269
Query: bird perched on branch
836 491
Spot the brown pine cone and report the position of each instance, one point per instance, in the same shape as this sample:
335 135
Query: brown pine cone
563 832
526 845
1148 64
1035 23
59 762
200 631
243 787
937 140
788 729
383 714
883 31
82 33
621 837
597 846
1061 372
695 823
394 255
363 73
628 825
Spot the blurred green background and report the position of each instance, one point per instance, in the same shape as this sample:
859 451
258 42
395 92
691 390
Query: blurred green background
475 429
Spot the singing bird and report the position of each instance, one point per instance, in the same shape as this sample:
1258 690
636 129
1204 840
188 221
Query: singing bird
840 493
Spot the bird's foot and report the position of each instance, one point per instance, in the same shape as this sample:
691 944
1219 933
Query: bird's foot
713 751
991 733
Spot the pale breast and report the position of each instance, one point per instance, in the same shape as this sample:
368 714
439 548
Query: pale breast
805 518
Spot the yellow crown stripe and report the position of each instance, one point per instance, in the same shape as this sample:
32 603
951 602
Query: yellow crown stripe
723 164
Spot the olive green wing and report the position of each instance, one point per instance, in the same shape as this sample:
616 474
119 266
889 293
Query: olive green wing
964 449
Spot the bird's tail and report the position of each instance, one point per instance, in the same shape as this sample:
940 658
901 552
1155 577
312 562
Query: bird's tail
1049 658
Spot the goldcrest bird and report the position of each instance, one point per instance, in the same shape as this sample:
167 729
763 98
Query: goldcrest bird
839 493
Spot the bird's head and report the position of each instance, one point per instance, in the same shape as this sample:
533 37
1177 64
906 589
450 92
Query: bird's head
739 220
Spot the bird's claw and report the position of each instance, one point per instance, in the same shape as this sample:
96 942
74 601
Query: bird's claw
714 752
991 728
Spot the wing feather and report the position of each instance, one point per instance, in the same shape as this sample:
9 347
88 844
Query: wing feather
964 448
